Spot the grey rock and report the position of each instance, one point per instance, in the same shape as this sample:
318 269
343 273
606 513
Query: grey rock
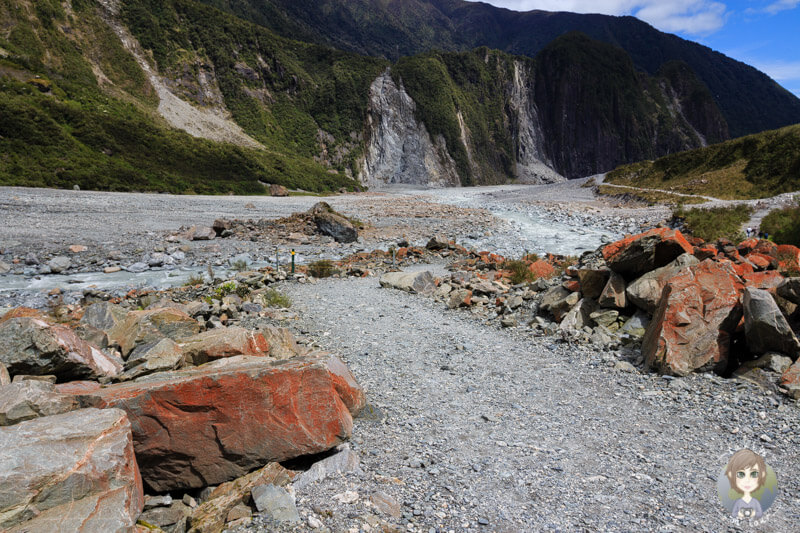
790 290
164 500
85 463
645 292
765 327
59 264
137 268
331 223
31 346
593 281
157 356
344 461
769 361
5 377
103 315
579 316
203 233
5 268
166 516
26 400
636 326
419 282
32 259
276 502
458 298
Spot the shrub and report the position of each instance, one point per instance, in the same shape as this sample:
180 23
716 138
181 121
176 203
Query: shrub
194 279
519 271
240 265
273 298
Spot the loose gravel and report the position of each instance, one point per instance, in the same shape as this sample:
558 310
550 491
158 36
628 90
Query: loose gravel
473 428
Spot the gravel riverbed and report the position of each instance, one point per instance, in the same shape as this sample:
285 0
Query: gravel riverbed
470 427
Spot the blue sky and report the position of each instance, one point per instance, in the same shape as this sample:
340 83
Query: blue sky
761 33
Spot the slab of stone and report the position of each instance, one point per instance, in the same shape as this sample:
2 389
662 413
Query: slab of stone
206 425
26 400
70 472
275 502
418 282
32 346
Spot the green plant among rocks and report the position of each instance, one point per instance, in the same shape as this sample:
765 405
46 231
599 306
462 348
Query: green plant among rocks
520 273
275 298
194 279
240 265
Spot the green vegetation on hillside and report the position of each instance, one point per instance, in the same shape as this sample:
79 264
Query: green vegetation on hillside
749 100
60 127
280 91
783 225
716 222
475 85
756 166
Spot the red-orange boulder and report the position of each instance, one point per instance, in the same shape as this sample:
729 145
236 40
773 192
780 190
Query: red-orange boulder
761 261
214 423
691 327
644 252
763 280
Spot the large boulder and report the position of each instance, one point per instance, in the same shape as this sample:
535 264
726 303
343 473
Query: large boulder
642 253
224 342
30 399
206 425
419 282
692 325
278 190
141 327
32 346
645 291
331 223
70 472
790 290
765 327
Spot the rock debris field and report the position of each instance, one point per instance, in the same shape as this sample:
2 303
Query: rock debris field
468 426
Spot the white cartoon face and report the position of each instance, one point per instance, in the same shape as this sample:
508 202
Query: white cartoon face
747 479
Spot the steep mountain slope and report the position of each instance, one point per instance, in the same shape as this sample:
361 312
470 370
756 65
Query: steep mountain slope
749 100
755 166
76 108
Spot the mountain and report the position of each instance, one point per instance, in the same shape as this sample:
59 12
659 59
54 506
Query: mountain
755 166
178 96
749 100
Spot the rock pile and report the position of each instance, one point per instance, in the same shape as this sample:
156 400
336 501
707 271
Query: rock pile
149 393
689 306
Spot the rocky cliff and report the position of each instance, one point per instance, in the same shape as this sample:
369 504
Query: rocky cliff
399 149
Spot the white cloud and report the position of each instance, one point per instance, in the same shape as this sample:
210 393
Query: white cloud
695 17
781 5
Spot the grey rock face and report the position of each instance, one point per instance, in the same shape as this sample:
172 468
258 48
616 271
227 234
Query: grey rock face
103 315
399 149
533 166
86 462
765 327
344 461
420 282
31 346
26 400
276 502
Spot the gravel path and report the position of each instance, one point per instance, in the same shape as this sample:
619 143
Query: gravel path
493 430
